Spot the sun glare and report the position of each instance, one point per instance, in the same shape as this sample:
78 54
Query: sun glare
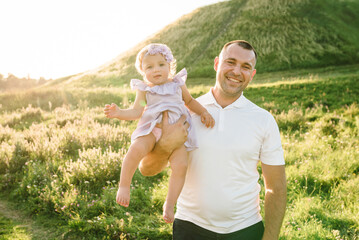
54 39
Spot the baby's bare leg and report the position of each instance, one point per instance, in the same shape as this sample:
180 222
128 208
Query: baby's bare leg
178 162
138 149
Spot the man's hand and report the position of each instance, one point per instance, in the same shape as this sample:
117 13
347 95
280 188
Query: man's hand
173 136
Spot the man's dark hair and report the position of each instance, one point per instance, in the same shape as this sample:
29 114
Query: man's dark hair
244 44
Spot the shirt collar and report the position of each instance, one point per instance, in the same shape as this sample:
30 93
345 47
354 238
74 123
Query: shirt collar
209 99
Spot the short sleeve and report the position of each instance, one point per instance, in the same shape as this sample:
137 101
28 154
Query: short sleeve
181 77
272 151
138 84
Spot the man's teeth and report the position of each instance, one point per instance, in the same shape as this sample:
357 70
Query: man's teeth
233 80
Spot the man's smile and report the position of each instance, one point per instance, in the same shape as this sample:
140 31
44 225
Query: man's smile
233 79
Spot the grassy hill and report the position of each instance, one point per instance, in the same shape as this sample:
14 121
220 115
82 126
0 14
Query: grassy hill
287 35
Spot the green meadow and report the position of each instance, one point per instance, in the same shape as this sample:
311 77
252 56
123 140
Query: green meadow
60 158
9 230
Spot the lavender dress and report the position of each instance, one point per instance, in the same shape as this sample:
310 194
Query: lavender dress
160 98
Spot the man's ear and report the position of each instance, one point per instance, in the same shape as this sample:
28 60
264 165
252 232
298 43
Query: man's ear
216 61
253 73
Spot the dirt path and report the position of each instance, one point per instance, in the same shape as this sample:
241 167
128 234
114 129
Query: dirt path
34 230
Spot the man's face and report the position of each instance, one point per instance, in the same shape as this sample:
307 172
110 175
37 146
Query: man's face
235 70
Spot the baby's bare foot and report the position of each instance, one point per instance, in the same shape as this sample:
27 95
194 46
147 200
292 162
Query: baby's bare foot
168 212
123 196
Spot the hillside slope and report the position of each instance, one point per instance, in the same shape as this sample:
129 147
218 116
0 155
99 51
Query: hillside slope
287 35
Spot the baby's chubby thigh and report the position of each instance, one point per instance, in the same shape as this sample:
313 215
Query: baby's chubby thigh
142 145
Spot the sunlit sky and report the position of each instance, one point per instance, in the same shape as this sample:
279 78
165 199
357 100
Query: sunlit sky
57 38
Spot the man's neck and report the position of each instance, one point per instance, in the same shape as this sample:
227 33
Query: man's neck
222 99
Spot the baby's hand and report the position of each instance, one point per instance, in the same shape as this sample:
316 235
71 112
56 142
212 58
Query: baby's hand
111 111
207 119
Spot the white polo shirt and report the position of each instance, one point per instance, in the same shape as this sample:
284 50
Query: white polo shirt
221 191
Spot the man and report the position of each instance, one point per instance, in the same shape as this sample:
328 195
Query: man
220 198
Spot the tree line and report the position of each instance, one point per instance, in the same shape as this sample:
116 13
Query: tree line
11 82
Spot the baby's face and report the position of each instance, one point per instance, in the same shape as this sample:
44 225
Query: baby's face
156 69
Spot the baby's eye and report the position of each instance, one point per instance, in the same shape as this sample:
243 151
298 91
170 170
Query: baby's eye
148 67
162 64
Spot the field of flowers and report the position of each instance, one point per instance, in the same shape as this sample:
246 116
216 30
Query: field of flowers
62 160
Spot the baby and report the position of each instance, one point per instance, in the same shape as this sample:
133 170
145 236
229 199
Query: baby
160 91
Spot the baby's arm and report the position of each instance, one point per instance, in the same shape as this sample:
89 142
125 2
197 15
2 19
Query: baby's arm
133 113
196 107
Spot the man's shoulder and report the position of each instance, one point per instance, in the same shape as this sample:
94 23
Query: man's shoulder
257 109
253 106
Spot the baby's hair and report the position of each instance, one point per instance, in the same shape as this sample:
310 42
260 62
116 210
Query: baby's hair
155 48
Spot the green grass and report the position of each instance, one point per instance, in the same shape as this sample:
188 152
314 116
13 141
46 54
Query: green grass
62 160
11 230
15 222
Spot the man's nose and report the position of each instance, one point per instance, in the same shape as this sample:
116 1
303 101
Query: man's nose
237 70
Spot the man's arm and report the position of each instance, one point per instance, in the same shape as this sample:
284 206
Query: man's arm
173 136
275 200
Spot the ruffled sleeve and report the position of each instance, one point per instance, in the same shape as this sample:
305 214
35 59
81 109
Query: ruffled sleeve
181 77
138 84
164 89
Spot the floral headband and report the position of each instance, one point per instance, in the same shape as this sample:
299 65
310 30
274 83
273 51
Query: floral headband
162 49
